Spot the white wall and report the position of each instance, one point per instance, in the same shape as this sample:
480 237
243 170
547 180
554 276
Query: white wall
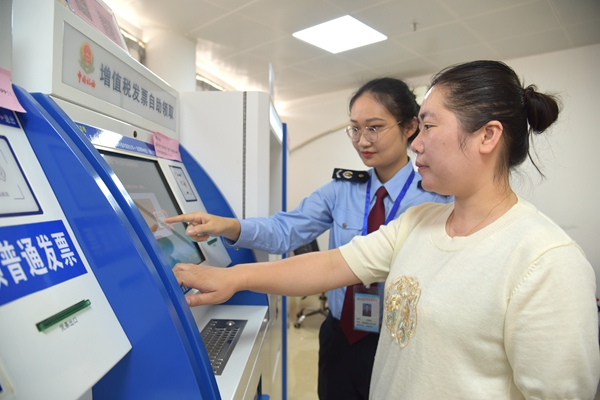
311 166
568 153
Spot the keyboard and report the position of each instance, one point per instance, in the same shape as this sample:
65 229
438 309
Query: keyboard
220 337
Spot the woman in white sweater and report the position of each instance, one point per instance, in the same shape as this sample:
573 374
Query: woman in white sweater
484 297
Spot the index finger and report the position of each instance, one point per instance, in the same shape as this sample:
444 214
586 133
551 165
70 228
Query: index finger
180 218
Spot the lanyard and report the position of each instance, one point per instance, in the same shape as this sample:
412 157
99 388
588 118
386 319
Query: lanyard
394 209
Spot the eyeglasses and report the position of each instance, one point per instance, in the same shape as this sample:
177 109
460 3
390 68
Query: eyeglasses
369 132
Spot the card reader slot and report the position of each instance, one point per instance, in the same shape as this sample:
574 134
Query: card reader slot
62 315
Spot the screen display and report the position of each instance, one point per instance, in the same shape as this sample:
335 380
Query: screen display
147 187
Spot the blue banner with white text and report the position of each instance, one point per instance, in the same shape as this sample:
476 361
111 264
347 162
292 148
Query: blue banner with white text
34 257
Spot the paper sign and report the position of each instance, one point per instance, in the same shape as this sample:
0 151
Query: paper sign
99 17
166 147
7 96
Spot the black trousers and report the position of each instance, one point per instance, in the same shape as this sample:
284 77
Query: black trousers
344 369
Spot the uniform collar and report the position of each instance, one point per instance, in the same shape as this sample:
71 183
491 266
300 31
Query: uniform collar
394 185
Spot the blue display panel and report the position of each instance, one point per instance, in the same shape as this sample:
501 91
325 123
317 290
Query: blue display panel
7 117
105 138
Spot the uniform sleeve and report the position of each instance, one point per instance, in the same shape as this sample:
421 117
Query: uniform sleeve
286 231
551 330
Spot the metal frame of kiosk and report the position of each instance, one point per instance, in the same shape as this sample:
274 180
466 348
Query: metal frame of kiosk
60 65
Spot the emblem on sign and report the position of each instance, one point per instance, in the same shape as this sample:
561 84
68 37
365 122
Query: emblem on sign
87 58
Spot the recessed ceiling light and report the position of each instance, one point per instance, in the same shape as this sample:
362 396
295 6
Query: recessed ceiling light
340 34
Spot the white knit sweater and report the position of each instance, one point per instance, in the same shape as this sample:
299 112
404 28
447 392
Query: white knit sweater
506 313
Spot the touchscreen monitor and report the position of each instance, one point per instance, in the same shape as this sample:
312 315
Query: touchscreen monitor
145 183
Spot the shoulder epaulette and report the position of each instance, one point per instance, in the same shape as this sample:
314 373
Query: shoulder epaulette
341 174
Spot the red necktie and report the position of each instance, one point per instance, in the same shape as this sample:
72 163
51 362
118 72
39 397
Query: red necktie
375 220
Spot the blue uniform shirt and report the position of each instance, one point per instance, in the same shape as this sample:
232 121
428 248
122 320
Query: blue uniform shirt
339 206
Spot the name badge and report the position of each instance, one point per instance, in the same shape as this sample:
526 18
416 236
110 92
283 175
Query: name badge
366 308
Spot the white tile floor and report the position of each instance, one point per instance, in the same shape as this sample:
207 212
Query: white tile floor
303 348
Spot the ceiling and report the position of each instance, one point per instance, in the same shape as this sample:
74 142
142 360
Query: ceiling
237 39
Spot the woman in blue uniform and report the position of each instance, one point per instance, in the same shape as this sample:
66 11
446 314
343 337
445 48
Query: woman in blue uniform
383 121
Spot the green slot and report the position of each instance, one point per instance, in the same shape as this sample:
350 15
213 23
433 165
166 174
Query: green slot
61 316
211 241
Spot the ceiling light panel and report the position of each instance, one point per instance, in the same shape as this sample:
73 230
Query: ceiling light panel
340 34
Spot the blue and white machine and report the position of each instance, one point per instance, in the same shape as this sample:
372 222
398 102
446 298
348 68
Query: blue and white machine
89 125
124 271
151 188
59 333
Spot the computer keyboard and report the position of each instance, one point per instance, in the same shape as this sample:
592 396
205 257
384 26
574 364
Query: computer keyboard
220 337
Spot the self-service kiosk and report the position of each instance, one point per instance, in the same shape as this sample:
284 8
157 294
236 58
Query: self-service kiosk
233 334
162 359
104 108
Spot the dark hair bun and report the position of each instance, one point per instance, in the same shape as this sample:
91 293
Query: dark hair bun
542 109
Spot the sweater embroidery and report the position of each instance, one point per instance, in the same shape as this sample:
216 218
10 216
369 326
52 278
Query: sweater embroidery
401 299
